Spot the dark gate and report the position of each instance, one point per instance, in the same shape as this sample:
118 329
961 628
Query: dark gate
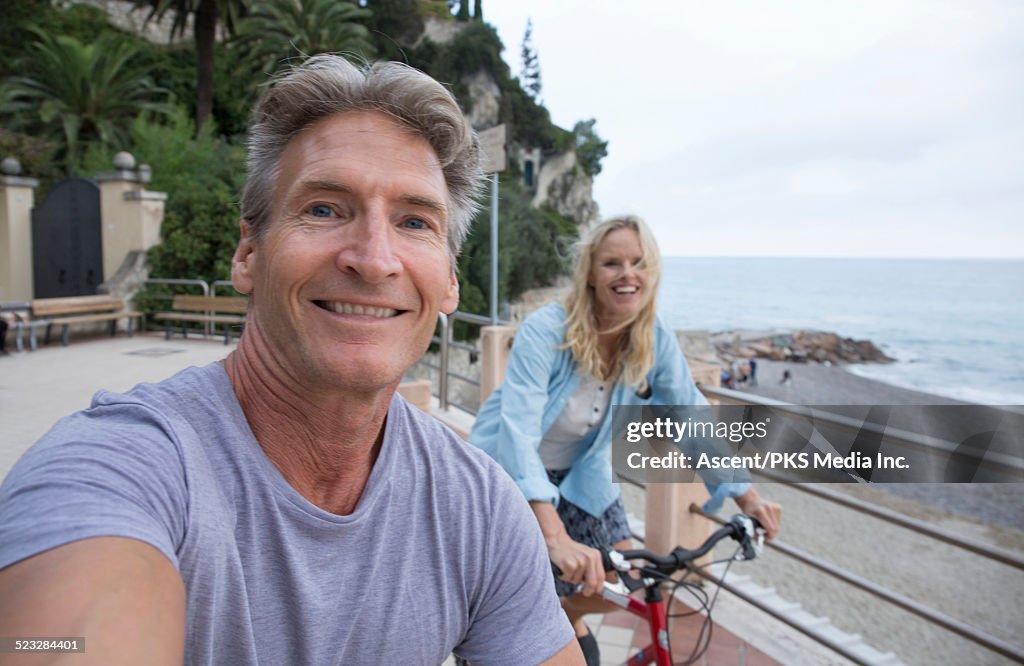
67 245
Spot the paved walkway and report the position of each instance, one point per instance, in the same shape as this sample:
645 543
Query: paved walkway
37 388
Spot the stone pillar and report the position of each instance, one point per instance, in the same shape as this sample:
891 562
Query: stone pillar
17 196
495 346
131 215
668 520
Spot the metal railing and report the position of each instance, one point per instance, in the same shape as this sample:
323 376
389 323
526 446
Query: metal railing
445 345
895 436
932 616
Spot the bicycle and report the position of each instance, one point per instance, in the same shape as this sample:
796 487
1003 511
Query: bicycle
741 528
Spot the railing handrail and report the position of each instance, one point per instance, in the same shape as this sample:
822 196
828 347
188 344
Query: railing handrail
444 340
893 435
181 281
931 615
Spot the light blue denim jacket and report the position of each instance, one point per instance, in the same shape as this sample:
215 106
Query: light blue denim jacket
539 380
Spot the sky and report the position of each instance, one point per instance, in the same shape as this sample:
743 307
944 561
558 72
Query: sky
803 128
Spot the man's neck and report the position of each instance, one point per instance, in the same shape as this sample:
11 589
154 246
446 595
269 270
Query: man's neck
324 442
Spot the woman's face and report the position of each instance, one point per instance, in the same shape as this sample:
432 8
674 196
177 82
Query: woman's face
618 276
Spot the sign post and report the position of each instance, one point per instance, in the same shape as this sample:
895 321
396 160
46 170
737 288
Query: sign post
494 149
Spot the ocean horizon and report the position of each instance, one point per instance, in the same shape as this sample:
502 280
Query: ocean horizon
954 326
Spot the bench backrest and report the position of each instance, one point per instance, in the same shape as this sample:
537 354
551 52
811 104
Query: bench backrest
47 307
193 303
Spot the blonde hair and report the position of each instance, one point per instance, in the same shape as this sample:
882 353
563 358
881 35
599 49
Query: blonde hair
634 351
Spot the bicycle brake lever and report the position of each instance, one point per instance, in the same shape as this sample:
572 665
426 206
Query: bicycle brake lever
752 541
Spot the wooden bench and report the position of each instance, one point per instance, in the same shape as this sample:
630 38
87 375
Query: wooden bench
227 310
68 310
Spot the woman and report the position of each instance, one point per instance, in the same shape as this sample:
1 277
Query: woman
549 423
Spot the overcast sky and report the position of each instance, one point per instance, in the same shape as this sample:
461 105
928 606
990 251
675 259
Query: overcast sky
805 128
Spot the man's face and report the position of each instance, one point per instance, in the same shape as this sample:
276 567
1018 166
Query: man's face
347 281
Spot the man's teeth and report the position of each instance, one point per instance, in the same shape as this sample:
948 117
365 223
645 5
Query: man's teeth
625 290
365 310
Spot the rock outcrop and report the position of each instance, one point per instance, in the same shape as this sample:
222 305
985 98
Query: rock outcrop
799 346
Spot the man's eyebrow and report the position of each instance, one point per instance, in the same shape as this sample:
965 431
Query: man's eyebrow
328 185
425 202
319 185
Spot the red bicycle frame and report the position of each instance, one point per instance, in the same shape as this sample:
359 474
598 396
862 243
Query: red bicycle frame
651 609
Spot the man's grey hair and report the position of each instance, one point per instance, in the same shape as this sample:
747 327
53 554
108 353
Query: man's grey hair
327 84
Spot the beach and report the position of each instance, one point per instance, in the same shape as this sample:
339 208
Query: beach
815 384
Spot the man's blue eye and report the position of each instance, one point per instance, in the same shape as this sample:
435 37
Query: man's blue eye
415 223
320 210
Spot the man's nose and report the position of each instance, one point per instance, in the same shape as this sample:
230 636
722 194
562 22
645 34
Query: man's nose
368 249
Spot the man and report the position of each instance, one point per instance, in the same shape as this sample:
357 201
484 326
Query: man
286 506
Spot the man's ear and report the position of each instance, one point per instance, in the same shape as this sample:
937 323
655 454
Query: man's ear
450 302
242 262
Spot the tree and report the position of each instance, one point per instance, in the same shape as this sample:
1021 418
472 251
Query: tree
83 91
590 149
280 29
530 74
206 16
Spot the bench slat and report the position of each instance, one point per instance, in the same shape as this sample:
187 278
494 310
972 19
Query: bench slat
46 307
107 316
185 316
232 304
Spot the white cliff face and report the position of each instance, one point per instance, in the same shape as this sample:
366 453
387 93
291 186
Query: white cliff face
563 185
439 30
485 97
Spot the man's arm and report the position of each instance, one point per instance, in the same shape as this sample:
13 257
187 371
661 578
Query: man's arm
570 655
123 596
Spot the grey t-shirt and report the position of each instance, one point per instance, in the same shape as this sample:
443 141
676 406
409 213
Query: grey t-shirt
442 553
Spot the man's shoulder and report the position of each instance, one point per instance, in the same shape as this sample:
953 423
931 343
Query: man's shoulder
448 456
193 385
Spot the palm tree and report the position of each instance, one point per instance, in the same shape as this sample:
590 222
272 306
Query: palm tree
206 16
277 30
83 91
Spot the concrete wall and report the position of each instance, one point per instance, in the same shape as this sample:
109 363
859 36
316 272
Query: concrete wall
17 196
131 217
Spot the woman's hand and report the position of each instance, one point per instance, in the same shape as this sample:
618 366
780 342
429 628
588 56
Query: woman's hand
579 563
769 514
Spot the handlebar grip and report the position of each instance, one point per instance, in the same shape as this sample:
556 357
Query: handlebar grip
606 562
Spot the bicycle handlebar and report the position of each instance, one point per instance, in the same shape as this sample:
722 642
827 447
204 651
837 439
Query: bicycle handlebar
741 528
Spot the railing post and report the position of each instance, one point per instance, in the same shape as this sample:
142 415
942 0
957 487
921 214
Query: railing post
442 380
495 346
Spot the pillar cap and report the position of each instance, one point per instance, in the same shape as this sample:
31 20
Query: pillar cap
10 166
124 161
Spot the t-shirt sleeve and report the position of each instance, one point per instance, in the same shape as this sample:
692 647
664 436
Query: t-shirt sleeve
518 619
112 470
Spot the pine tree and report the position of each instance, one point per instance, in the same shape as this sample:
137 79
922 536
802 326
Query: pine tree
530 74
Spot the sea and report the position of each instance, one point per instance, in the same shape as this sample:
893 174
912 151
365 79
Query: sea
954 326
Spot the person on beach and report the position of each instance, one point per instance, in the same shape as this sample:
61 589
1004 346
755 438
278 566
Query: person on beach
549 423
286 505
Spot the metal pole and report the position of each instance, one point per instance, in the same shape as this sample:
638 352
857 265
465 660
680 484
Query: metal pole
442 377
494 249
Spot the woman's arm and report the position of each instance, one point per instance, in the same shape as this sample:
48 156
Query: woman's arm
579 563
